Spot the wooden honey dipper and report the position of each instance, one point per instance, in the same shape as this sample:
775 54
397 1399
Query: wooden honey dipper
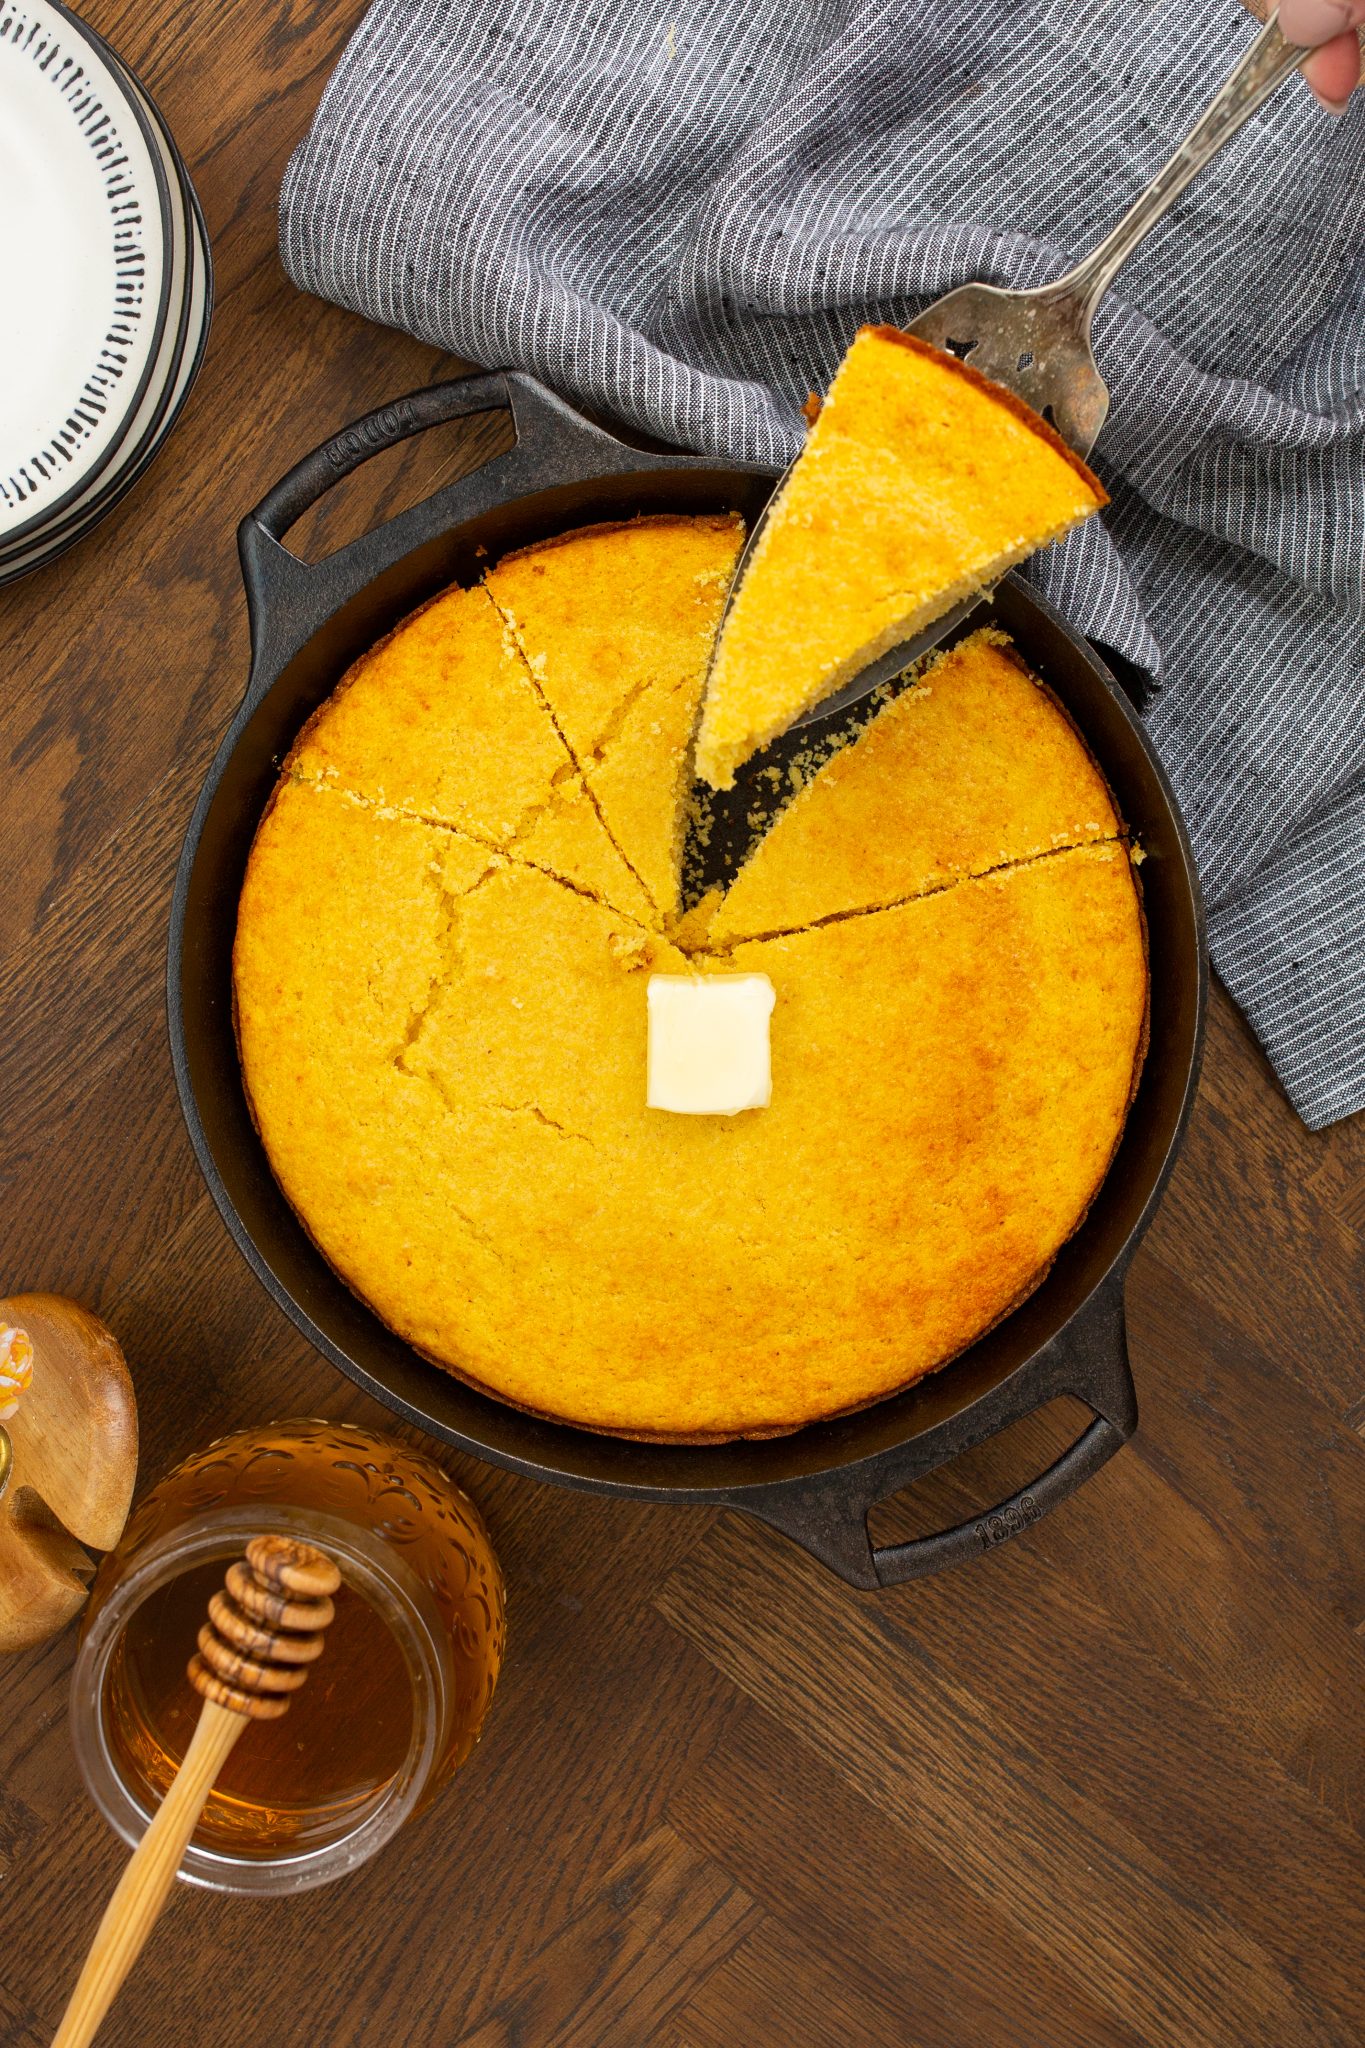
254 1652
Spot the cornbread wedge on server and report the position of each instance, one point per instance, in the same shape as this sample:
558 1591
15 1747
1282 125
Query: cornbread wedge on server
921 483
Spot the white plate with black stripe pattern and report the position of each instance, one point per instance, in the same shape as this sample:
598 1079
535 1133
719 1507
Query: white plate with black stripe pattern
181 355
84 260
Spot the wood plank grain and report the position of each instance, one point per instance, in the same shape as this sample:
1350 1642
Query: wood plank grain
867 1899
774 1988
19 1828
18 2026
1335 1175
663 1918
1136 1720
1290 1267
1283 1477
1265 1655
933 1756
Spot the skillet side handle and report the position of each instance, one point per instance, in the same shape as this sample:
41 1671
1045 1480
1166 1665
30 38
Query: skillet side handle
895 1563
1088 1359
287 597
336 458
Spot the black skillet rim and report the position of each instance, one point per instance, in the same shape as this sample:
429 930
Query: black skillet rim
834 1483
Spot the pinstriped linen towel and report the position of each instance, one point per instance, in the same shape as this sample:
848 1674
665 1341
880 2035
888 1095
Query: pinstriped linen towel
677 211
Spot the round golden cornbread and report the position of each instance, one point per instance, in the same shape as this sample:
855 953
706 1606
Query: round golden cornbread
442 1018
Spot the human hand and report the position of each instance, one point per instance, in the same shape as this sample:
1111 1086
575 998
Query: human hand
1331 29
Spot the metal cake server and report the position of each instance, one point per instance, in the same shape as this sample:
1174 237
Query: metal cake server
1037 343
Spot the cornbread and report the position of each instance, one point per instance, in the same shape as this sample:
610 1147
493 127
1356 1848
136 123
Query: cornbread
616 623
975 765
920 483
444 1039
442 721
464 1130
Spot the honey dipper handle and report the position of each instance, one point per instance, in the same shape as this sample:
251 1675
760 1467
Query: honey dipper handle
132 1911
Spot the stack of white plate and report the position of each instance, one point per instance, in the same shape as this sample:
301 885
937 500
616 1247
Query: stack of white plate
107 282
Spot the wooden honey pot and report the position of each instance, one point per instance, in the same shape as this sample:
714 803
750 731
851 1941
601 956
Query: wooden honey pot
68 1460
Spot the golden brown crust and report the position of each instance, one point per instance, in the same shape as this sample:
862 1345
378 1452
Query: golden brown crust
319 716
440 720
448 1080
699 1438
714 522
1011 400
920 485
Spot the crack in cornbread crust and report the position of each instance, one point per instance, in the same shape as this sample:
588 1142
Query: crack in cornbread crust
505 855
615 623
440 721
516 648
551 1235
726 949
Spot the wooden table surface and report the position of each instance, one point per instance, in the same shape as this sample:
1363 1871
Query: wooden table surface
1101 1789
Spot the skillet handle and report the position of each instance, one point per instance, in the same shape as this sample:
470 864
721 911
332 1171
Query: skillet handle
897 1562
1088 1359
287 598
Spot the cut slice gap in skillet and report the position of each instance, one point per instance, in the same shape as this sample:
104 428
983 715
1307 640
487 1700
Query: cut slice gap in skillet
973 768
723 826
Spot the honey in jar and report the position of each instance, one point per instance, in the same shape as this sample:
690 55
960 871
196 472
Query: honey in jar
395 1704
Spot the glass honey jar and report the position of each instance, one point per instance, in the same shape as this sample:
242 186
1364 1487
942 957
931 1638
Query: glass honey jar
391 1710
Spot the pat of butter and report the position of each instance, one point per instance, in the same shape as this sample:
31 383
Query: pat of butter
708 1043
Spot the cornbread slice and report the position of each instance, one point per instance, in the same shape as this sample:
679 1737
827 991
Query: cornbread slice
568 840
445 1056
920 483
974 766
542 1014
616 625
440 721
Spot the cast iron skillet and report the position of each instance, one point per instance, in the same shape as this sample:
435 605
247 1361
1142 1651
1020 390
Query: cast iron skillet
307 624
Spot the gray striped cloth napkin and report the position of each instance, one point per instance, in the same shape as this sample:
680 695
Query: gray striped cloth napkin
678 211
